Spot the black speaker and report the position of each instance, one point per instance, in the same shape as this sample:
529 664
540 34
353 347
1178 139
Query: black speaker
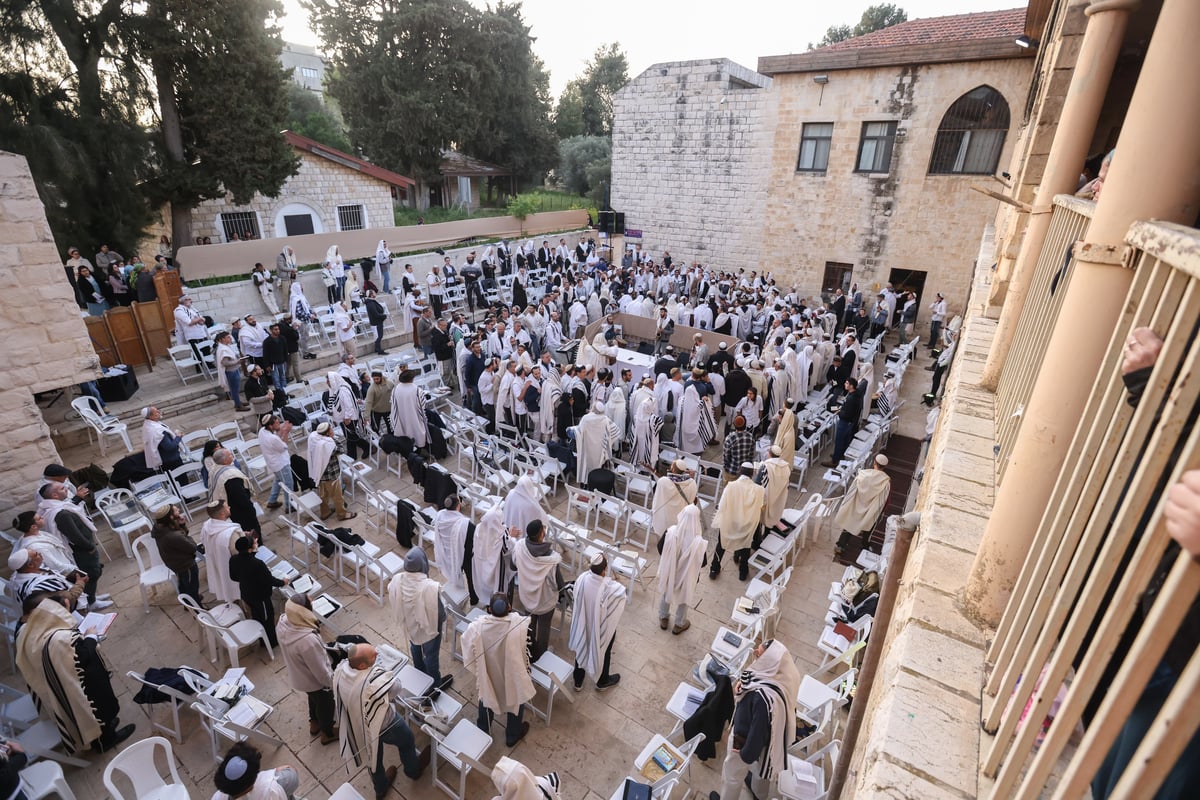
605 222
618 222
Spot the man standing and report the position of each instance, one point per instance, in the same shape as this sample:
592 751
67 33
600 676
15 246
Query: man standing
777 474
494 649
599 604
378 402
673 493
682 559
189 326
307 660
264 281
865 500
738 516
273 442
230 484
595 438
443 351
437 287
323 451
738 447
218 535
937 315
408 410
376 314
539 581
848 417
251 340
70 522
425 329
177 548
345 328
275 354
453 548
367 720
417 607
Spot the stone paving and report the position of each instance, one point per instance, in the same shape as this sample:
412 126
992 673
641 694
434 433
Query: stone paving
591 742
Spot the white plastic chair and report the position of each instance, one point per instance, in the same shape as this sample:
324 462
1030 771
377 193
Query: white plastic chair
100 425
175 701
227 432
661 789
123 514
185 362
137 763
44 779
551 673
461 748
189 487
808 778
151 570
236 636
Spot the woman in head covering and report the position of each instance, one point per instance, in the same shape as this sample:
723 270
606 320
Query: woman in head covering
679 568
764 722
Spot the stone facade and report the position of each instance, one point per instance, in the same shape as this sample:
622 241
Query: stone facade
317 189
46 345
690 159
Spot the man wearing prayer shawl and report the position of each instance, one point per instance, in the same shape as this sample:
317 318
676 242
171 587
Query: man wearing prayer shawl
491 555
679 569
646 427
595 439
524 505
778 473
416 601
764 723
539 581
154 433
673 492
495 650
453 549
67 676
230 484
326 470
408 409
696 428
515 782
367 720
785 432
615 410
218 535
739 513
865 500
69 522
599 604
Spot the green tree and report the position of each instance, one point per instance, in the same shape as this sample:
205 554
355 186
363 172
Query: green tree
874 18
568 114
405 76
512 101
580 162
222 98
308 116
604 76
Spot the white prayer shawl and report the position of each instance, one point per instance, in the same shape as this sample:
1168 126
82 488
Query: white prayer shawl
696 428
683 553
224 352
780 388
599 604
614 409
779 473
449 543
343 406
414 597
335 262
646 427
864 502
504 396
775 677
551 392
785 436
739 512
796 378
320 450
670 499
152 435
536 584
364 698
516 782
219 480
183 315
49 510
56 553
297 302
494 649
487 561
594 440
523 505
218 537
343 323
408 413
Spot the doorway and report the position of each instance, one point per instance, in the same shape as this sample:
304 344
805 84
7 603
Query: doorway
908 280
837 276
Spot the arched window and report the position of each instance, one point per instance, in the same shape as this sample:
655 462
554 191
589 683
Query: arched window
971 135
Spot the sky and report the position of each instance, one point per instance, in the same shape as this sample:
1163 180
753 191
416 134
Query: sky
653 31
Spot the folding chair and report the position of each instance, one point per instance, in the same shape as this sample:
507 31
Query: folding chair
175 700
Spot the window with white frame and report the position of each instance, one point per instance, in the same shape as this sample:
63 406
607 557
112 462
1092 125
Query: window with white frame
351 217
309 72
815 138
875 147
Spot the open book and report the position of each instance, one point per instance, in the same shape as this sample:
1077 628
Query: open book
95 624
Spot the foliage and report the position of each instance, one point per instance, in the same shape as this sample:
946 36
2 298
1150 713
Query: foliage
522 205
576 156
874 18
599 178
586 104
411 216
308 116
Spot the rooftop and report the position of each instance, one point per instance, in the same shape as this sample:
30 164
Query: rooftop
346 160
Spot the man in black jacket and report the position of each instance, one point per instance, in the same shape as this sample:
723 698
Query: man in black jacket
255 583
275 353
443 351
376 314
847 424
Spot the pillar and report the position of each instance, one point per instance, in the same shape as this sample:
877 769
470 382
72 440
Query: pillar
1076 125
1155 174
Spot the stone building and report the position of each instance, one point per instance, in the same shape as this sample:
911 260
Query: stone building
46 345
306 65
853 163
333 191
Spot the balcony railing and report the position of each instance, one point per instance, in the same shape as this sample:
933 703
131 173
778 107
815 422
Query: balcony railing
1069 223
1105 590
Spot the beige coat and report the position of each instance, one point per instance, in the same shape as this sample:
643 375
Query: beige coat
303 650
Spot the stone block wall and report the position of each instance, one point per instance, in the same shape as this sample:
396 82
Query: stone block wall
906 219
690 160
46 345
321 185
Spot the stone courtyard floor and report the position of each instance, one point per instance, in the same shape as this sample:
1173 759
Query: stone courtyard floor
591 742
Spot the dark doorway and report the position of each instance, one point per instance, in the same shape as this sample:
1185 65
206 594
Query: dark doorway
435 196
297 224
908 280
837 276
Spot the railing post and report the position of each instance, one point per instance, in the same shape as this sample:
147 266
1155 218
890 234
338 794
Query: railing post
1154 175
1085 97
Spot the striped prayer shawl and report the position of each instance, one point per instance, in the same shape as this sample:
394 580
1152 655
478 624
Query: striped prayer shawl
774 756
363 706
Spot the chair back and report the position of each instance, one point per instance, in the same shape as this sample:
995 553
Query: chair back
137 763
151 558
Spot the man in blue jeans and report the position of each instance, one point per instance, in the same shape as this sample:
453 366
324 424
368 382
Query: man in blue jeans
368 721
416 601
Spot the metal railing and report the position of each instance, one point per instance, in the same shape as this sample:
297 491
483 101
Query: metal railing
1069 223
1105 590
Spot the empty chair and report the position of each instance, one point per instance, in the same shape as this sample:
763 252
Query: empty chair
137 764
100 424
189 487
156 492
236 636
123 514
186 364
44 779
151 570
461 748
808 778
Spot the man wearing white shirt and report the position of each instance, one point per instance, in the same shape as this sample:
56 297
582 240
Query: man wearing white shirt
562 254
437 289
189 326
938 309
251 339
272 440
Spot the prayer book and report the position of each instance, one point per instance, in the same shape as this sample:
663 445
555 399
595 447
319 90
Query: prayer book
95 624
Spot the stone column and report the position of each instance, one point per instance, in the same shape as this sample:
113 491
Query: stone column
1089 84
1155 174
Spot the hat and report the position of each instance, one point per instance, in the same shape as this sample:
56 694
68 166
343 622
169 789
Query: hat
881 460
670 349
598 408
183 298
215 503
18 559
909 521
162 511
324 427
235 320
55 471
243 544
498 606
609 335
416 561
680 465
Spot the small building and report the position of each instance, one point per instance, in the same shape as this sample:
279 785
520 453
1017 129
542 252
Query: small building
333 191
465 182
306 65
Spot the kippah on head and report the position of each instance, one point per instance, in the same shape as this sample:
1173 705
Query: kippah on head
55 471
18 559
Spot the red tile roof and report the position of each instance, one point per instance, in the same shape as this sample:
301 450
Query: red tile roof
939 30
346 160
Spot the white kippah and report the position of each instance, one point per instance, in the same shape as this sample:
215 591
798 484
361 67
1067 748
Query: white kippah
235 768
18 559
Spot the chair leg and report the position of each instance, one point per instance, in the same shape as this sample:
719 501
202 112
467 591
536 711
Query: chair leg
145 602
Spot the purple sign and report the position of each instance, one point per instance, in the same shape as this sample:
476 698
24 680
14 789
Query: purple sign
633 233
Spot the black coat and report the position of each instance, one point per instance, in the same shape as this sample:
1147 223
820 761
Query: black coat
710 718
253 577
275 349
